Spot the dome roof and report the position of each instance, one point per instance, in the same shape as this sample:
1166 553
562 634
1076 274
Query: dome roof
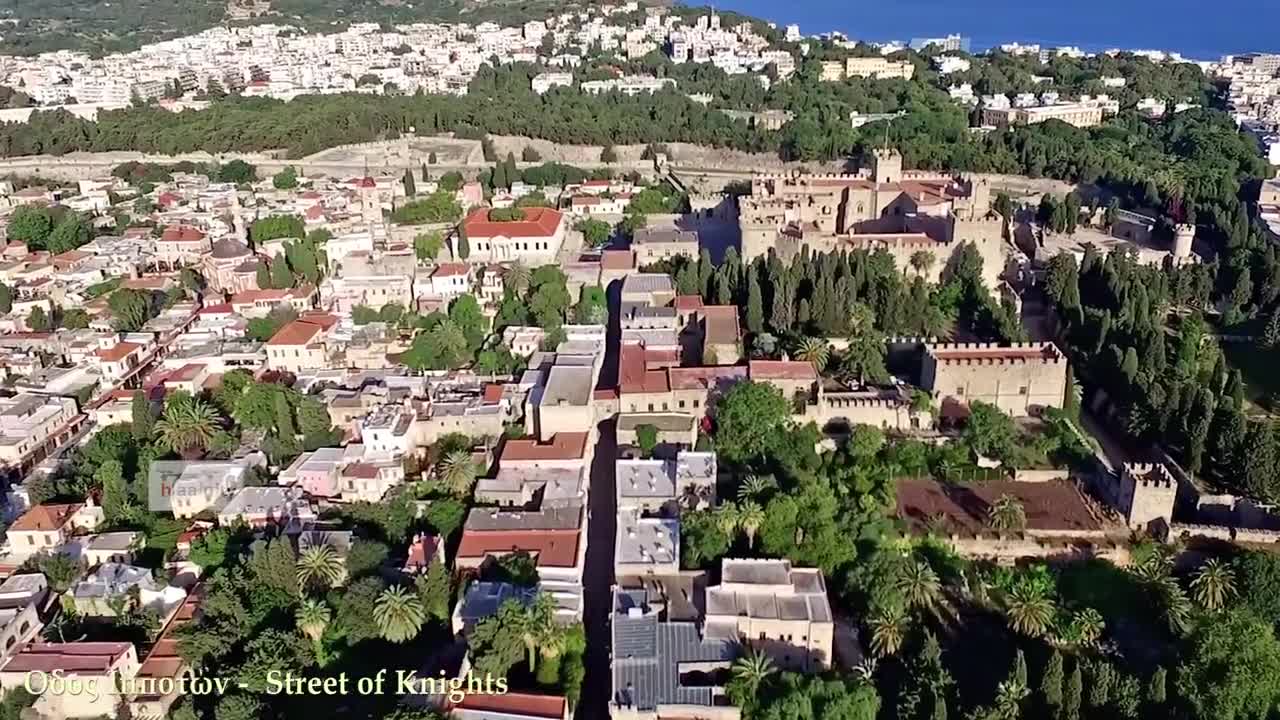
229 248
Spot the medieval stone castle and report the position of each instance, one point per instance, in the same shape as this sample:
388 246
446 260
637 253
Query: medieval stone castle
904 213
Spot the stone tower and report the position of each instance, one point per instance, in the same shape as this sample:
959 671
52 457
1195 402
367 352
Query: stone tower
1146 495
1183 236
888 166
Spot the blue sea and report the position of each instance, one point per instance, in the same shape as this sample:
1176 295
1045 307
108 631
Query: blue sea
1199 29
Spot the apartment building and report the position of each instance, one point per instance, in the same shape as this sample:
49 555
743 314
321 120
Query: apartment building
30 425
776 609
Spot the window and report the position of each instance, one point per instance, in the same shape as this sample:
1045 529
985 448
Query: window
664 407
695 402
959 392
762 636
650 407
681 404
1022 390
31 540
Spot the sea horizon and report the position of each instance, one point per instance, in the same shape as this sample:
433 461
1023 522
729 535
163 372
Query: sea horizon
1092 25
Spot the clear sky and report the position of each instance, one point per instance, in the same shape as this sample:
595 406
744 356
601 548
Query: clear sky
1199 29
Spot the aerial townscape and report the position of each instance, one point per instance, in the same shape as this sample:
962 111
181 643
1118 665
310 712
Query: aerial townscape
641 361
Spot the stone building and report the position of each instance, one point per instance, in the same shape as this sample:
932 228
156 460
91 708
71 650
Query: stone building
1021 379
775 609
919 218
1145 495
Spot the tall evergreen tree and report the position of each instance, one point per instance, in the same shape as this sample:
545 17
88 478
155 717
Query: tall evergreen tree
143 417
1051 681
1073 695
755 305
1156 690
409 188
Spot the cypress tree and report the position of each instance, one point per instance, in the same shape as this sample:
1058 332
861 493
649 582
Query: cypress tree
1156 691
464 246
426 176
409 188
1051 681
284 417
755 305
264 276
143 420
281 278
1071 699
1020 669
499 177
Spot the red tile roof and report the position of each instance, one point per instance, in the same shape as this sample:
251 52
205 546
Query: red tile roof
517 704
181 233
699 378
493 392
147 283
617 260
537 223
76 658
451 270
119 352
45 517
781 370
634 375
563 446
298 332
422 550
361 470
219 309
552 548
688 302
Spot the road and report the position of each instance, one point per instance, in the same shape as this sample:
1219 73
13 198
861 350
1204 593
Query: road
597 581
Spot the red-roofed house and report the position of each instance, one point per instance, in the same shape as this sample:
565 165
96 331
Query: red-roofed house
97 662
792 377
43 527
565 446
535 240
118 361
300 345
181 245
423 551
451 280
259 303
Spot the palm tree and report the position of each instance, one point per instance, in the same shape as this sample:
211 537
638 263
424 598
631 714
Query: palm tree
814 350
921 261
1177 608
188 426
1009 697
1213 585
517 276
888 629
920 586
756 485
1006 513
312 618
399 614
458 470
750 518
1087 626
319 566
1029 611
753 669
727 518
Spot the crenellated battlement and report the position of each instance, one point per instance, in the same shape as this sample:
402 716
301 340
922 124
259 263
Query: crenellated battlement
1043 353
1151 475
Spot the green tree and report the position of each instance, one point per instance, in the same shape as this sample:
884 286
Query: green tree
286 179
6 299
187 426
647 439
130 309
608 154
281 276
595 233
70 233
1073 696
399 614
39 320
748 418
143 417
436 591
752 670
427 245
313 618
30 225
459 471
1157 690
1007 513
115 492
263 276
592 307
1213 584
410 189
988 432
755 305
1231 669
1029 610
319 567
1051 681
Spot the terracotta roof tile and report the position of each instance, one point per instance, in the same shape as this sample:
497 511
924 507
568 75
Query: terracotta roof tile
537 223
552 548
45 517
563 446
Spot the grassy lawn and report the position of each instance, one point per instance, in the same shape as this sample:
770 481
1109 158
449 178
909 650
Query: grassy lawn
162 539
